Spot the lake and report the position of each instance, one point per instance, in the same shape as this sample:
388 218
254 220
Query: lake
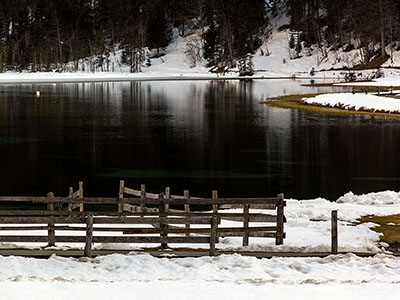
195 135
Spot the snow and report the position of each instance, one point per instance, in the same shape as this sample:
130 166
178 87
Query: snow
356 101
138 276
389 81
175 65
141 276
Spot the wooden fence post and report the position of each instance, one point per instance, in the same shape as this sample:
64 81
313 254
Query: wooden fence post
143 196
81 195
51 232
334 232
215 211
166 196
187 208
213 235
121 196
89 236
70 195
280 220
246 209
163 226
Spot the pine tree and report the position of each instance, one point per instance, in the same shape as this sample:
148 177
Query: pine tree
158 29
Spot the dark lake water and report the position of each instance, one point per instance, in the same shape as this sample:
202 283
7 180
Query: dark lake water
195 135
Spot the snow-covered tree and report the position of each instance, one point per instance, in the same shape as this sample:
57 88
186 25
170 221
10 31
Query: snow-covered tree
246 66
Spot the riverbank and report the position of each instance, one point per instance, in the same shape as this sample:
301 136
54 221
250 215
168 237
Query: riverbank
53 77
340 103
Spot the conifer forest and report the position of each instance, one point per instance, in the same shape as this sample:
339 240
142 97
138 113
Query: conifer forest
44 35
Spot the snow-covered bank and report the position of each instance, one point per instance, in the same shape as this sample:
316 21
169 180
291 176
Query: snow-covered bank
52 77
141 276
391 81
224 277
359 102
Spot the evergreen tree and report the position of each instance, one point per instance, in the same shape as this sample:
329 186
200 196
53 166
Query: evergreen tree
158 29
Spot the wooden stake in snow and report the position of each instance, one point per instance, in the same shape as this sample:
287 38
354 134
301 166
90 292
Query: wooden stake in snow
334 234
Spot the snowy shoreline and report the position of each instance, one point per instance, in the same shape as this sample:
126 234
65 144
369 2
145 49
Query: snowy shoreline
52 77
356 102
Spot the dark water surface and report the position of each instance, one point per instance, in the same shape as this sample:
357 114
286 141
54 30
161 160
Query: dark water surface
196 135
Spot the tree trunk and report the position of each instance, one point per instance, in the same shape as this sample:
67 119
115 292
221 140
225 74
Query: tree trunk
382 29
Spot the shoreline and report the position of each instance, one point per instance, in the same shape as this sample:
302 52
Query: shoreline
297 102
52 77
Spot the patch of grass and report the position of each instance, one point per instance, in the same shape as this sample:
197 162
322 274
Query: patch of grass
294 102
389 226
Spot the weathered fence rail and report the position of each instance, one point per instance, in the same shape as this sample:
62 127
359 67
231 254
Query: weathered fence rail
133 221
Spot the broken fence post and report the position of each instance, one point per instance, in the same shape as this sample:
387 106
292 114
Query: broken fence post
334 233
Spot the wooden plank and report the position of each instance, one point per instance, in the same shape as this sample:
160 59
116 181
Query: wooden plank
41 239
51 232
150 239
105 220
152 195
163 226
260 218
29 228
213 235
71 195
280 220
89 236
150 212
132 192
253 206
220 230
21 199
246 218
187 208
249 234
121 196
40 220
334 232
157 221
146 200
167 196
143 198
131 230
214 196
81 195
104 239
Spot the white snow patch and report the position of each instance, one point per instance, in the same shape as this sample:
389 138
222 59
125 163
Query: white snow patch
358 101
223 277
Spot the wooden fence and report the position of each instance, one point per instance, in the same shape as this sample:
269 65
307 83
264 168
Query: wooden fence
140 218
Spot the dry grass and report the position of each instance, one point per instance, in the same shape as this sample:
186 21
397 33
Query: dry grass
389 226
294 102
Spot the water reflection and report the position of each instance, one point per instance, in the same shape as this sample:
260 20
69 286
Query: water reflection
199 136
